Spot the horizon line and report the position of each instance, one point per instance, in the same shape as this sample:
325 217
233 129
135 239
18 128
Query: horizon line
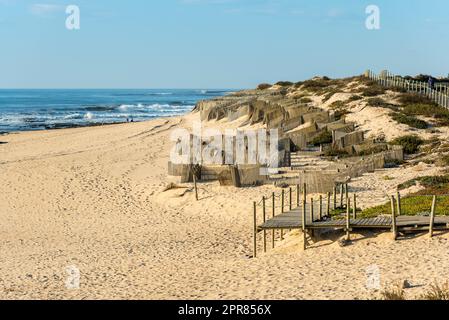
117 88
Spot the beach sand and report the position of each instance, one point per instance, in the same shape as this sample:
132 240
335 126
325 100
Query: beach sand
92 198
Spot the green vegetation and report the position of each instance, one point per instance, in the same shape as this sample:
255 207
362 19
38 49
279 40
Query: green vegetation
420 202
340 114
315 85
380 103
409 120
339 108
444 160
410 143
332 152
305 100
324 137
440 114
354 97
337 105
413 98
437 185
330 94
284 83
340 213
264 86
411 206
366 81
373 90
374 149
325 85
398 89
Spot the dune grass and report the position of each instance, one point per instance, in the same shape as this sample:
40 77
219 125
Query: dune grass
420 202
284 83
393 293
440 114
354 97
378 102
410 143
264 86
373 90
410 121
437 185
413 98
410 206
437 292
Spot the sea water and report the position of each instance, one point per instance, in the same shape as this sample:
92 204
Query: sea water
24 109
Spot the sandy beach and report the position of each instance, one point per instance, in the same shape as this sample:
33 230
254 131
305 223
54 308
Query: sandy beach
93 198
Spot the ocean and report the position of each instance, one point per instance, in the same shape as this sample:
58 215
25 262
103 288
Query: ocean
24 110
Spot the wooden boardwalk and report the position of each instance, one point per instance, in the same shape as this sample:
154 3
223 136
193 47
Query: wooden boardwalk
293 220
316 215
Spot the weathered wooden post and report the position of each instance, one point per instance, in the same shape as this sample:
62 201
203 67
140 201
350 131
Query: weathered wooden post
304 192
311 210
282 210
255 231
328 204
290 199
195 186
393 219
346 192
297 195
354 209
320 211
348 221
399 208
264 220
273 196
432 216
282 201
304 223
341 195
335 198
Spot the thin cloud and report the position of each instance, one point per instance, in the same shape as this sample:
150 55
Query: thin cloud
41 9
334 13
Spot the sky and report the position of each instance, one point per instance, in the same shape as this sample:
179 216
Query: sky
215 43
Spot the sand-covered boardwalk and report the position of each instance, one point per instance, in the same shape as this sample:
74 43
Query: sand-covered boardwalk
92 198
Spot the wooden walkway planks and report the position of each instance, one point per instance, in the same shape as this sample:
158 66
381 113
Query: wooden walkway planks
293 220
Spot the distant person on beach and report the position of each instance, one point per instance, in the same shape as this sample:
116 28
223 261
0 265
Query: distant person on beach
431 82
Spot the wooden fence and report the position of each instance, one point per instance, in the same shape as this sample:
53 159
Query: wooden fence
439 93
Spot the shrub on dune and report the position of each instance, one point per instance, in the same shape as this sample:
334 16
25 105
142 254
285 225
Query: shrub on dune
264 86
410 143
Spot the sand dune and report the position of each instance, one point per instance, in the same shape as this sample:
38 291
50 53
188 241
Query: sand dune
92 198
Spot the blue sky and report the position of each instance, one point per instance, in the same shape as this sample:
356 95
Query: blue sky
215 43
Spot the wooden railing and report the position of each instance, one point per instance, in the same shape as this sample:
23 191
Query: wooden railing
439 93
291 198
